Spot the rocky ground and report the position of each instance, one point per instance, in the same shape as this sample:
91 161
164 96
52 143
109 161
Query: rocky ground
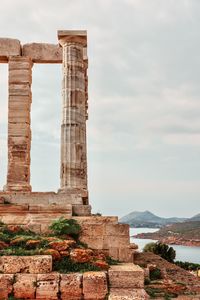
173 282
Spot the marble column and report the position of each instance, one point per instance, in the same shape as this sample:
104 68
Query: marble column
19 131
74 111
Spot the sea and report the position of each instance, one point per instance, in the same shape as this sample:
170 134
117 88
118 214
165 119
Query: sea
183 253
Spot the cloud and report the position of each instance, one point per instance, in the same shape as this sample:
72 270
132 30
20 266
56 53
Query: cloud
144 71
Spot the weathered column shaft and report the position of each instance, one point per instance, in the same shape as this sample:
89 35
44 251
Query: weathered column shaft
19 131
74 115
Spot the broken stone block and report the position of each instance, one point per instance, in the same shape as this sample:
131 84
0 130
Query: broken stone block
95 285
26 264
6 285
25 286
126 276
71 286
47 286
9 47
43 53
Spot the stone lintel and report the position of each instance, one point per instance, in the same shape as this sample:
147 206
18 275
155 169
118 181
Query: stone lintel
73 36
9 47
43 52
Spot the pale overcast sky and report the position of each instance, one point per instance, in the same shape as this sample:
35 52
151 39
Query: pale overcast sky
144 100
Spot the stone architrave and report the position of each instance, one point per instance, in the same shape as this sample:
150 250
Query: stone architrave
19 131
74 111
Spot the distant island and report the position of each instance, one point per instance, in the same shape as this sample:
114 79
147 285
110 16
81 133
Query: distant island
149 220
186 233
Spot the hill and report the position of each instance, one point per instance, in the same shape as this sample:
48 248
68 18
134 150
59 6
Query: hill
185 233
148 219
195 218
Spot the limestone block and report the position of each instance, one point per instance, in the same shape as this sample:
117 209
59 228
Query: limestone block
127 294
19 129
71 286
13 208
94 230
22 89
126 276
117 229
9 47
115 241
95 285
62 208
92 242
47 286
26 264
81 210
15 218
25 286
6 285
125 254
43 53
20 76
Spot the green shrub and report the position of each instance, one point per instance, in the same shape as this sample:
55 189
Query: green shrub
64 226
162 250
66 265
147 281
112 261
188 265
155 274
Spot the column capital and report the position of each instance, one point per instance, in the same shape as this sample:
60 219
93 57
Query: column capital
73 36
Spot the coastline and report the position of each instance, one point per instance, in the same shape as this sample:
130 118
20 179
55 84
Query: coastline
170 240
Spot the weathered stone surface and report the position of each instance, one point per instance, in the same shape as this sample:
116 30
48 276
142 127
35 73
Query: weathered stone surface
47 286
95 285
43 53
81 210
73 137
25 286
71 286
40 198
64 208
26 264
54 253
126 276
81 255
6 285
127 294
9 47
20 77
126 254
61 245
72 36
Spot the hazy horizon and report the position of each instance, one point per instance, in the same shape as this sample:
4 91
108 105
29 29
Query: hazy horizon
144 100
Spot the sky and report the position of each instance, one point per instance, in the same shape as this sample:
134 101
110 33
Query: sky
144 100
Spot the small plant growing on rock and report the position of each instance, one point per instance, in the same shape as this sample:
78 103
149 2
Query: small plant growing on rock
155 274
64 226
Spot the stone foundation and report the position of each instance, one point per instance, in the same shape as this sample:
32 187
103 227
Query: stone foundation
37 281
98 232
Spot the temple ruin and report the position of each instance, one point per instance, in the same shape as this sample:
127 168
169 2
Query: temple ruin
18 204
71 52
22 208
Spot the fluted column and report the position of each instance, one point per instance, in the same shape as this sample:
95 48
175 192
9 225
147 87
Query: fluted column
74 111
19 131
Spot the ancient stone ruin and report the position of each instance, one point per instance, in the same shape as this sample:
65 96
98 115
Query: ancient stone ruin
19 205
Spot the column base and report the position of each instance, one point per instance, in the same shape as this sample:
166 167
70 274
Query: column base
17 188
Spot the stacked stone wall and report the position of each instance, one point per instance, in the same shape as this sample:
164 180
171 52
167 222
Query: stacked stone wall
31 277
